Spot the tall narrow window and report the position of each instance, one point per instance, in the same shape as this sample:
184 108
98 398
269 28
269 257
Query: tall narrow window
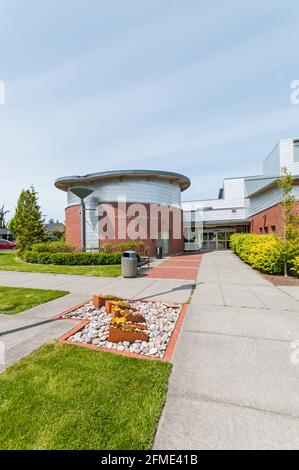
296 151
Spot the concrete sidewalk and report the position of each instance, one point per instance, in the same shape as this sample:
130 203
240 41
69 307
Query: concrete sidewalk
23 333
233 384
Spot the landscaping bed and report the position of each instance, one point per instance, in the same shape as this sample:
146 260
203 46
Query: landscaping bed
66 397
281 280
160 321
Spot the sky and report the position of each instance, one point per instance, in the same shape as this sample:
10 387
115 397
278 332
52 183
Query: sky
196 87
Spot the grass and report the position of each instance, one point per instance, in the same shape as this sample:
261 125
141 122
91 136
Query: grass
10 262
15 300
67 397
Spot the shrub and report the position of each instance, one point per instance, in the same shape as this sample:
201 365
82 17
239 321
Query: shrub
72 258
265 252
294 264
266 255
241 243
108 248
53 247
124 246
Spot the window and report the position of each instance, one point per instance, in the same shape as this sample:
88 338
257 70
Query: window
296 151
261 229
266 230
273 228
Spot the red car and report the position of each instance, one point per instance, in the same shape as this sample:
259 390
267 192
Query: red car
6 244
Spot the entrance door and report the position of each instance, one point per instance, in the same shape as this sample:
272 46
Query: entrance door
163 241
216 240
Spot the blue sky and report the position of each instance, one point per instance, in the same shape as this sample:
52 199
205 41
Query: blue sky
201 88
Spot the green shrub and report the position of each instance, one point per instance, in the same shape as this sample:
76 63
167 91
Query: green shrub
266 255
137 246
72 258
53 247
265 252
107 248
294 265
241 243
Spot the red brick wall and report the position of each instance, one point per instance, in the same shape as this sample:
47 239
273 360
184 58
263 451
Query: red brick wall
176 246
73 226
265 221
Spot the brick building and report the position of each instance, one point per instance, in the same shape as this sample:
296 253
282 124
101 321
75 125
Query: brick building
113 205
244 204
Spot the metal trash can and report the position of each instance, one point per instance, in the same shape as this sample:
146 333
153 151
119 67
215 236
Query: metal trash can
129 264
159 252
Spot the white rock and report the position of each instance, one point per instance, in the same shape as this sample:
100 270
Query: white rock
153 351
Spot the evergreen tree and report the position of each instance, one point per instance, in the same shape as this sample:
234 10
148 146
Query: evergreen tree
290 216
3 213
27 223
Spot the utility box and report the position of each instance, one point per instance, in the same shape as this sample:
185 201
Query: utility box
129 264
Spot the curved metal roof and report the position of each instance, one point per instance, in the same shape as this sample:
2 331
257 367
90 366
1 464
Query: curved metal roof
66 181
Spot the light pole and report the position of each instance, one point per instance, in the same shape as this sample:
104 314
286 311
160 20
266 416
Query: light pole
82 193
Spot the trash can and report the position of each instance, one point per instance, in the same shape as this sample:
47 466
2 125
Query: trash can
129 264
159 252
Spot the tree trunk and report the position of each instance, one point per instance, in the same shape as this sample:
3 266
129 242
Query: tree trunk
286 269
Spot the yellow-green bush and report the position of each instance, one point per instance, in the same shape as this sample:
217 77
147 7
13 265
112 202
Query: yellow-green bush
295 265
265 252
242 243
266 255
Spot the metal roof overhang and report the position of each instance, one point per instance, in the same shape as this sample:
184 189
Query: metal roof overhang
65 182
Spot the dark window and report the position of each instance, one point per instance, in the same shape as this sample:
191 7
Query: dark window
273 228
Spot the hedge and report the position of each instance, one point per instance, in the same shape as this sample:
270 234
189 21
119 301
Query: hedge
72 259
124 246
266 253
53 247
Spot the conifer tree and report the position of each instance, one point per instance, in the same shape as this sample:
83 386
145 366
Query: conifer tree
27 223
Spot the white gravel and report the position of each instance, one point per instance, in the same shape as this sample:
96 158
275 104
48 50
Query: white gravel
160 320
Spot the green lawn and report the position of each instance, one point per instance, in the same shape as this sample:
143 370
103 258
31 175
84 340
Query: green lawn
67 397
15 300
10 262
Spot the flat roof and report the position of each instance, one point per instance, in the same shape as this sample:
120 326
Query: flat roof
64 182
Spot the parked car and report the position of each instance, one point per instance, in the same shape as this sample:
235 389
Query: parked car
6 244
52 238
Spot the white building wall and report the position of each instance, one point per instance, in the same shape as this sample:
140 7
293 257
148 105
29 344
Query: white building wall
269 198
231 207
287 156
282 155
133 190
271 165
234 191
224 214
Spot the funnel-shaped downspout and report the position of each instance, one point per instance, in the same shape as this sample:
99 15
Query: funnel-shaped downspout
82 193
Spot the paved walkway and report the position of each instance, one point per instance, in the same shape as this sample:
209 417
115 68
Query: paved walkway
23 333
233 384
184 267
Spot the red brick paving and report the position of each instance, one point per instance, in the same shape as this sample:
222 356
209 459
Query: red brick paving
182 264
183 267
